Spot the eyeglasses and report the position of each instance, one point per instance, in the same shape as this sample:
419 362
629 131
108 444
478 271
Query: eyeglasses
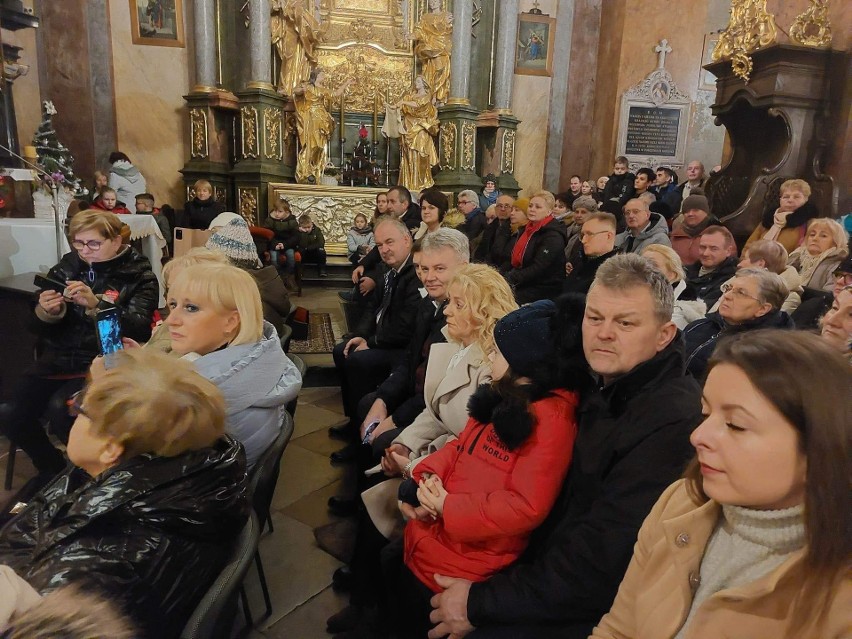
585 234
738 292
75 404
846 277
93 245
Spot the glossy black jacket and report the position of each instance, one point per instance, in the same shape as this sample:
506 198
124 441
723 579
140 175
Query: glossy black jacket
70 345
151 533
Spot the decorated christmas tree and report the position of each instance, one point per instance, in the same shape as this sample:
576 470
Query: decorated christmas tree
53 156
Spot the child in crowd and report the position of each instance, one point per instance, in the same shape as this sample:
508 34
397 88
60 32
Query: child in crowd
619 186
283 224
145 206
101 182
108 201
787 222
201 209
360 239
562 208
479 498
312 244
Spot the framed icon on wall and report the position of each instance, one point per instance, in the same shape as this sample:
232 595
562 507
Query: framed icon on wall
157 22
534 48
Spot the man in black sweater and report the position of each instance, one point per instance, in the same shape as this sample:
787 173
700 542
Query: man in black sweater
633 441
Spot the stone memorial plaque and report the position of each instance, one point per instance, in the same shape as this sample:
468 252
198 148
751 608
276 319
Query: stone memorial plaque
652 131
654 119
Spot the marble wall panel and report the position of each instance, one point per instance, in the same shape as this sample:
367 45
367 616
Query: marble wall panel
153 127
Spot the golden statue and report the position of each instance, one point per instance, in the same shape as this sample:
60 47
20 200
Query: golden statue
314 125
295 33
433 44
417 148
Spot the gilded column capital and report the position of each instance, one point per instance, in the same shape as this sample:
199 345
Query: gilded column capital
750 28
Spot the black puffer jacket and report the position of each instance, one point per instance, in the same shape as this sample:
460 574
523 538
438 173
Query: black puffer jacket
152 532
542 269
70 345
197 214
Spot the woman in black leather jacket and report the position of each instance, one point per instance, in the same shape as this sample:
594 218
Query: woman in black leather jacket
156 496
100 272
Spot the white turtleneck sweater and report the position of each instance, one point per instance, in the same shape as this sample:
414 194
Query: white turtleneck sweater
746 545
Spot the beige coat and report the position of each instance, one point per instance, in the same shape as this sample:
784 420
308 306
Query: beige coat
656 594
444 417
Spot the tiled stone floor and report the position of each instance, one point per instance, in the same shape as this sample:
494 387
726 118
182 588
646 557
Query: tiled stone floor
297 570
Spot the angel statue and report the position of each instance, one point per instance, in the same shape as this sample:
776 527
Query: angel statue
295 33
416 144
433 44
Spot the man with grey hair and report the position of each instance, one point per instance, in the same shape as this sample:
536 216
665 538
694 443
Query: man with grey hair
643 228
474 217
399 397
750 301
694 178
632 442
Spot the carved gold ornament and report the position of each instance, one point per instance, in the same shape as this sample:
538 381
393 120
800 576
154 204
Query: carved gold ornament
248 204
507 164
198 122
372 73
220 194
468 143
812 28
248 117
751 27
273 144
448 146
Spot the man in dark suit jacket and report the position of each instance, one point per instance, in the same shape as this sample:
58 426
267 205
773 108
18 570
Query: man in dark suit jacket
387 324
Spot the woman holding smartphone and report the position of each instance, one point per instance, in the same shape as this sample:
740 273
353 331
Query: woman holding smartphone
100 273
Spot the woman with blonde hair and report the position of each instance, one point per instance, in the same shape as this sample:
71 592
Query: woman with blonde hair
754 542
537 262
101 272
818 257
154 497
216 321
687 306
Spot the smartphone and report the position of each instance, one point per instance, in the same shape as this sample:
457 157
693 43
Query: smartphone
109 332
369 430
178 234
49 284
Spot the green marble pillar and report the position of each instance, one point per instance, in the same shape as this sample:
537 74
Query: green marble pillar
457 147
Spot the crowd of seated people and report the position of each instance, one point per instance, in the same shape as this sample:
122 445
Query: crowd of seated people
518 423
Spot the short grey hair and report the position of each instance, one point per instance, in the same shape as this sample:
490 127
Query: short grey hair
771 288
394 221
448 238
470 195
628 271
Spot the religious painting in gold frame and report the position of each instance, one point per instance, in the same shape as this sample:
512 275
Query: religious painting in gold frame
157 22
534 48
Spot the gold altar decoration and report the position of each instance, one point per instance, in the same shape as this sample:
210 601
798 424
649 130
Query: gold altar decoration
198 124
448 146
377 22
416 146
314 125
373 74
247 198
812 28
249 127
332 208
295 34
468 145
273 143
507 164
433 45
751 27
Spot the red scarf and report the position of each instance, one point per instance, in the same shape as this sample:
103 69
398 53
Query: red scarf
524 239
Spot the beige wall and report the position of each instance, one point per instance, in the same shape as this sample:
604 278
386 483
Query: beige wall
531 104
150 83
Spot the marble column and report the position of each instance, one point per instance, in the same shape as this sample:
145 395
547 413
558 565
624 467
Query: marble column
260 34
559 95
460 63
504 63
205 46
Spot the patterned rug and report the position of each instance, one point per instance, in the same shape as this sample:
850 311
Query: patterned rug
320 336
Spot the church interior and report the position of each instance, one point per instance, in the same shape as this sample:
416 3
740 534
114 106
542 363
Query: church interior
328 104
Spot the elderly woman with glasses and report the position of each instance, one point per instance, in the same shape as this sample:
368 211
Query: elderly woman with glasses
101 272
751 300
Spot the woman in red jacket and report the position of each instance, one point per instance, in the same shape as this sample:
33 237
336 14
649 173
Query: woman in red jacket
478 500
